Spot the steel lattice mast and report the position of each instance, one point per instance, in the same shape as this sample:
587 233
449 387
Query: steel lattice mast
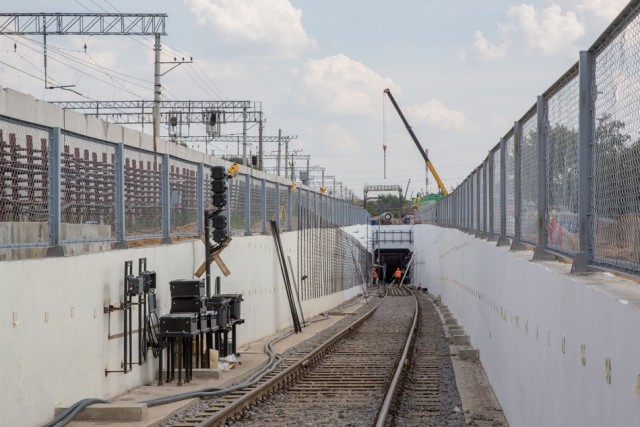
129 24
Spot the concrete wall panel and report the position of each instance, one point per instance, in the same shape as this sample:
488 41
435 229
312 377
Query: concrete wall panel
545 336
56 335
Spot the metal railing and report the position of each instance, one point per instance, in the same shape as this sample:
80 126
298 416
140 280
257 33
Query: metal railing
566 177
58 187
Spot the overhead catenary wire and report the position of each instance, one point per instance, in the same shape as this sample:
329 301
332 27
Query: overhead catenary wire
169 52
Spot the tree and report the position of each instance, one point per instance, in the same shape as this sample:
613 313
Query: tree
614 171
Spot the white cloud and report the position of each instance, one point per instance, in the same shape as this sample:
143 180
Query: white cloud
487 50
335 139
438 115
549 31
272 24
606 9
345 85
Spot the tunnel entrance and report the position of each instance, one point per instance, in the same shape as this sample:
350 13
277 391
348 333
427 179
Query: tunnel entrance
391 259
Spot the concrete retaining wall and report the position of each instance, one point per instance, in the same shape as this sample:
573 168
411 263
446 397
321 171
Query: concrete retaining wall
559 349
55 334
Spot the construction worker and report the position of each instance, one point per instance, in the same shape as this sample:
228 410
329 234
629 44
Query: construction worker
397 275
374 276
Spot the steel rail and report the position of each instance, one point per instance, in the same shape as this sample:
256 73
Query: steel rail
386 405
244 401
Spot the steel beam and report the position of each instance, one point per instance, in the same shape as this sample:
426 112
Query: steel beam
133 24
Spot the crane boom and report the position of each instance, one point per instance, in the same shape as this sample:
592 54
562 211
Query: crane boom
443 189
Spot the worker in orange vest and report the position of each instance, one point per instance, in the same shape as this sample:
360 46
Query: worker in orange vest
374 276
397 275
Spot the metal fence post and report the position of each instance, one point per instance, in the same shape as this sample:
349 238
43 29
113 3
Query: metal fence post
166 199
55 211
503 240
314 217
485 194
584 254
290 192
517 244
469 204
308 215
278 204
264 206
247 205
200 198
299 206
119 195
477 201
227 207
539 252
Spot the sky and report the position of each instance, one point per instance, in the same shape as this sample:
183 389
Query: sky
462 71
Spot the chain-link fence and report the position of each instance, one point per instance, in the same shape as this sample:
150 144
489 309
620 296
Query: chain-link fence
529 180
143 194
24 184
509 184
496 211
616 184
571 167
59 188
561 221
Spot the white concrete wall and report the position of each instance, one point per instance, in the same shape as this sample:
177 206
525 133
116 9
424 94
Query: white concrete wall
544 336
54 332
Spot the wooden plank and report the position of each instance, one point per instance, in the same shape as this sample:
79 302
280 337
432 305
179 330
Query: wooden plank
215 256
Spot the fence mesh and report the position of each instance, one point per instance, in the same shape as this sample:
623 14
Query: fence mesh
562 168
237 193
271 204
529 180
24 187
497 209
256 205
87 190
510 193
142 194
183 197
284 207
616 154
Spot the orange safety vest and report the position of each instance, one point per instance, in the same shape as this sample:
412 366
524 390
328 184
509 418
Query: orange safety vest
397 274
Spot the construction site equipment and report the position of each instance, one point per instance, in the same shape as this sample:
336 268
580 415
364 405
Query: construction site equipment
443 189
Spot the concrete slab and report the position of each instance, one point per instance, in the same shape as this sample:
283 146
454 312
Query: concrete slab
468 354
209 374
455 329
479 402
460 339
119 411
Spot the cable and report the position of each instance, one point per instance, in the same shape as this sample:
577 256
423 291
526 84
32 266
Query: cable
271 364
53 51
65 418
22 71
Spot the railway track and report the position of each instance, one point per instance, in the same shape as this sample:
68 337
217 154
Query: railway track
427 395
355 379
